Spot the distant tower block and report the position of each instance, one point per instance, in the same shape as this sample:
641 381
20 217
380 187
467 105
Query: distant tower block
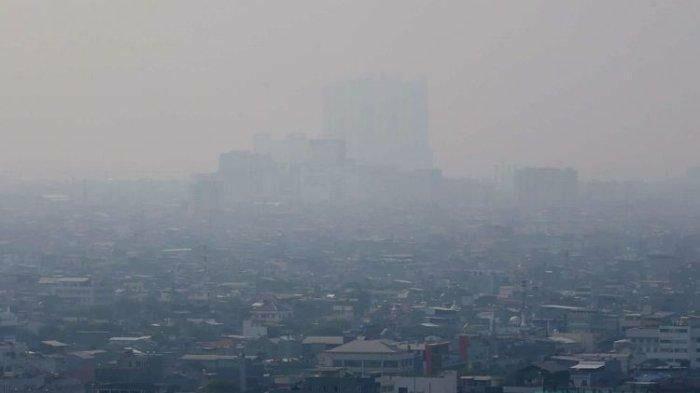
383 120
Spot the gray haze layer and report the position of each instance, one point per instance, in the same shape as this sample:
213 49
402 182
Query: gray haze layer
162 87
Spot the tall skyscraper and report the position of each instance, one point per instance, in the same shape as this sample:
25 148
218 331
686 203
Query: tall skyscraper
546 188
383 120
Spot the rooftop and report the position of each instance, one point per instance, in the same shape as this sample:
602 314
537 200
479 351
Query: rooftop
366 346
588 366
54 344
57 280
326 340
208 358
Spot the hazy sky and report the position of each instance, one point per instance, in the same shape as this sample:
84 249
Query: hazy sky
608 86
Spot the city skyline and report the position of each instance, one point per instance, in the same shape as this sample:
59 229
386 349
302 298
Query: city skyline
349 196
160 88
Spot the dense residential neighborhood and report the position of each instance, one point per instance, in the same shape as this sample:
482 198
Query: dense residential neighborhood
150 291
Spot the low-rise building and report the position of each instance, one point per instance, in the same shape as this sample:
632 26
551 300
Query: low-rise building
678 343
371 356
444 383
80 291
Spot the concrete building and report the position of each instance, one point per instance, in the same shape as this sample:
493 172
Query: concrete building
371 356
313 345
645 342
444 383
339 383
269 311
73 290
678 344
383 120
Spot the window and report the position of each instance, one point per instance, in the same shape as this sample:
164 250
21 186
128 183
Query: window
395 364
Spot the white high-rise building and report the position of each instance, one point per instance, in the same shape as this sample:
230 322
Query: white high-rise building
383 120
677 343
